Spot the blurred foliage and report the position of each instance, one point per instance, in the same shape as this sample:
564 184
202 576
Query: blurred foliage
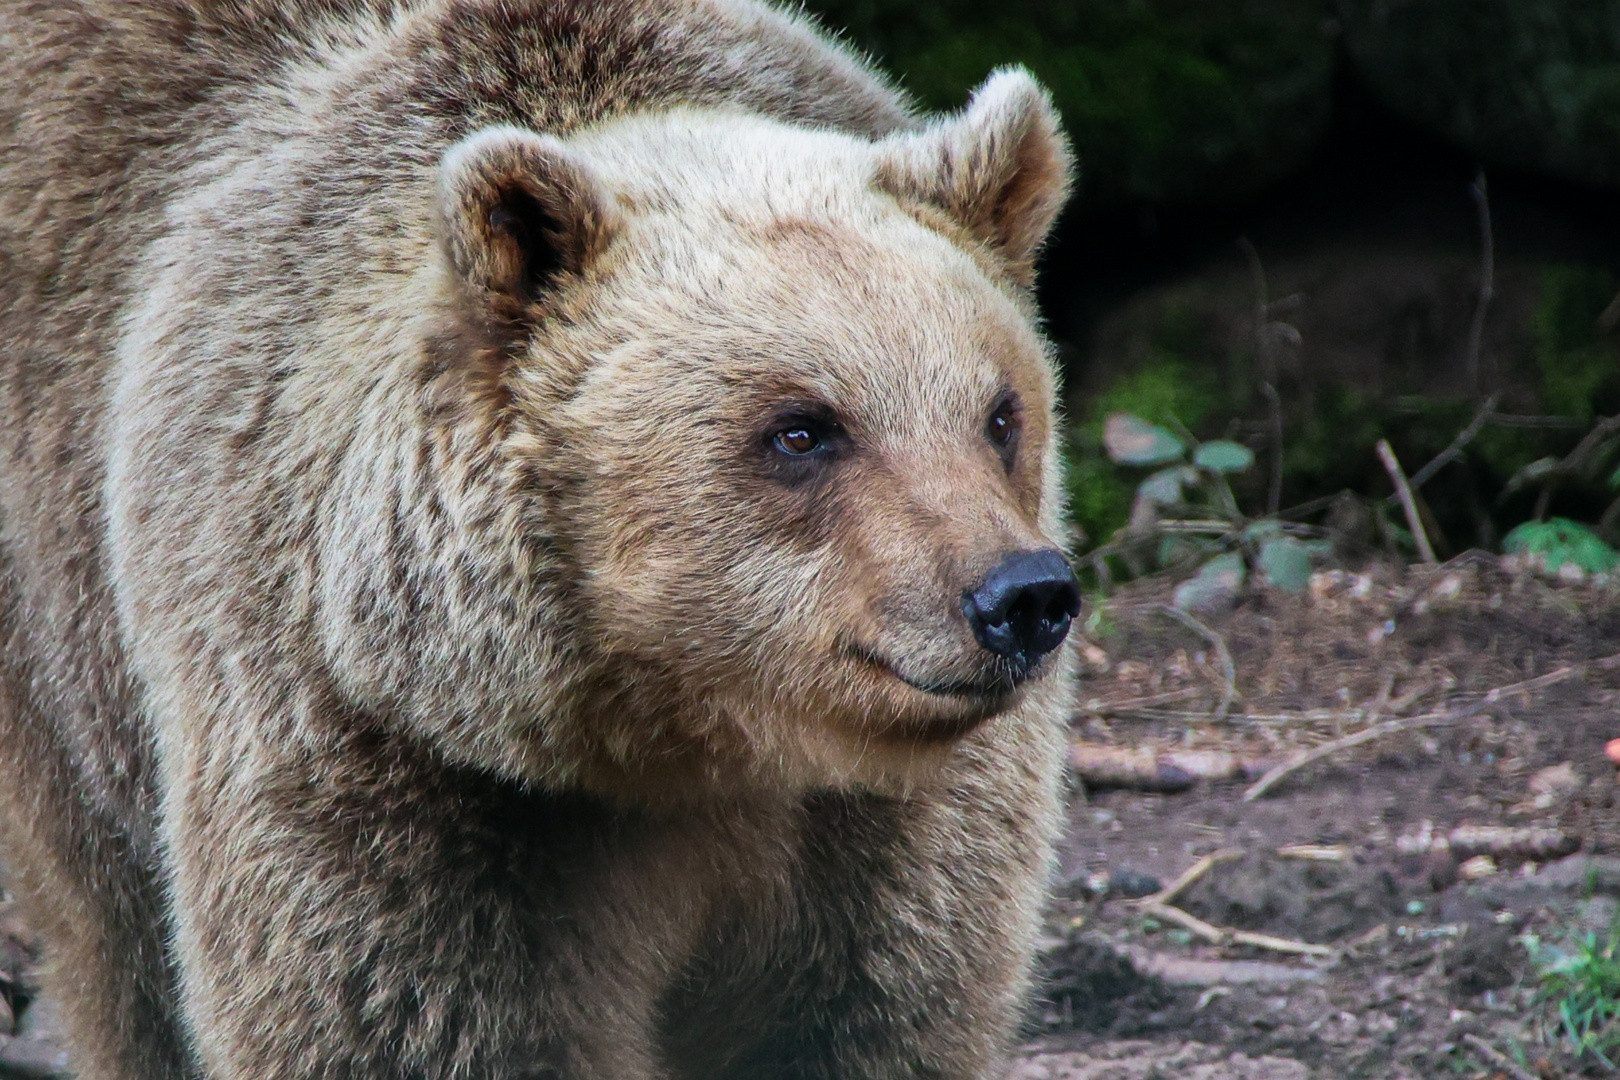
1165 100
1529 83
1167 391
1577 365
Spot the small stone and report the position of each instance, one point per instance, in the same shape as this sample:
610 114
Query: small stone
1480 866
1133 885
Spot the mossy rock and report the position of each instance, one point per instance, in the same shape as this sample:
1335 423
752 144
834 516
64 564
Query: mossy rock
1527 83
1167 101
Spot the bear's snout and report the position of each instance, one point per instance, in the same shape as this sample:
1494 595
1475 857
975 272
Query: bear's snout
1023 608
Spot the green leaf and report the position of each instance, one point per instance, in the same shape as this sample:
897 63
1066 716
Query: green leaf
1557 541
1216 583
1164 487
1614 481
1223 456
1286 563
1130 440
1259 530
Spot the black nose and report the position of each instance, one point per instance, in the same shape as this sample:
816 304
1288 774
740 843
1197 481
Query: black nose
1022 610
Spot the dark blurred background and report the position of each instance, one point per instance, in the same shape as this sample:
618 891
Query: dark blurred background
1325 150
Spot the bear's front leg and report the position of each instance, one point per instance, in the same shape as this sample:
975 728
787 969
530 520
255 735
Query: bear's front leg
903 948
360 910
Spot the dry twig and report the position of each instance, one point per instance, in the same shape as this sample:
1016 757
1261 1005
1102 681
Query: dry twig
1390 727
1159 906
1487 280
1403 491
1454 451
1191 875
1108 708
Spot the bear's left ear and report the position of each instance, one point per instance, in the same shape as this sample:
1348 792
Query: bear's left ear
1001 168
519 215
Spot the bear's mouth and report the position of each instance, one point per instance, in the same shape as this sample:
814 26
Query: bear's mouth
997 686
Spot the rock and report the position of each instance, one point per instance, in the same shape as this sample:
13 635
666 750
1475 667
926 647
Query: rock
1531 84
1132 885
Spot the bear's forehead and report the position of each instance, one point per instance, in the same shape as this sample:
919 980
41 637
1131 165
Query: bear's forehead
695 162
784 270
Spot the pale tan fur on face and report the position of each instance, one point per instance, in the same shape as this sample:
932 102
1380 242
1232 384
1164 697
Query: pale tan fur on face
766 268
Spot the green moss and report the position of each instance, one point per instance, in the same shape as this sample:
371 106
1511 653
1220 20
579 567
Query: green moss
1578 367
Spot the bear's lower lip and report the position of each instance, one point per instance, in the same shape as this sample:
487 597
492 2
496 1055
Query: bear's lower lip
955 688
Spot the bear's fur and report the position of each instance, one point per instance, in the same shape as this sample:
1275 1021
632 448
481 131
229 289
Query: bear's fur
419 655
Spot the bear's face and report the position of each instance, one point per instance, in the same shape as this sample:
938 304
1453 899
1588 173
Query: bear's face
794 418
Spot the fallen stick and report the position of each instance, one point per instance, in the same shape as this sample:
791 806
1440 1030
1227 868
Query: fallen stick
1220 935
1496 1057
1403 491
1184 971
1409 723
1315 852
1148 769
1192 874
1500 840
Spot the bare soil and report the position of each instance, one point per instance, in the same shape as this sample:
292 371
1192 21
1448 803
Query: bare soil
1426 958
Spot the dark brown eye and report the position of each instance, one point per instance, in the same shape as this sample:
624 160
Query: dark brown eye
798 441
1003 424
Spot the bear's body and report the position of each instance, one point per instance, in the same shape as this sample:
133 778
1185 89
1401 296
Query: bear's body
427 646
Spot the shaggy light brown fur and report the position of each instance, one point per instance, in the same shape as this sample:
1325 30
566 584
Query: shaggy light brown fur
418 656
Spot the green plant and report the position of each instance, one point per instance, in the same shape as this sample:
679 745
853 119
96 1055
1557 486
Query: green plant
1186 506
1557 542
1580 987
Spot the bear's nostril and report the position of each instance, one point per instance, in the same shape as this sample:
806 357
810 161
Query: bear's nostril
1023 608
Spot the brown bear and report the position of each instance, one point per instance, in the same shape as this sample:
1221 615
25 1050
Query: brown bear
529 542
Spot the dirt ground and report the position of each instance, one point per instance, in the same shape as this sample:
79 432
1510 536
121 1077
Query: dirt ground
1384 943
1425 971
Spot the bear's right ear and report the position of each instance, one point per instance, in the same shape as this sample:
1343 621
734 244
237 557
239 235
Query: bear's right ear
519 214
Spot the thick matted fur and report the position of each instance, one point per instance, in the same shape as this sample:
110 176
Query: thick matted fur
420 654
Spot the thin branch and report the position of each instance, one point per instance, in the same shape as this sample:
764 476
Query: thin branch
1191 875
1104 708
1454 451
1393 466
1219 935
1487 280
1218 643
1521 421
1391 727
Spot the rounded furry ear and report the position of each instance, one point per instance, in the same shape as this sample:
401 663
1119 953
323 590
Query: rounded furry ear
519 214
1001 168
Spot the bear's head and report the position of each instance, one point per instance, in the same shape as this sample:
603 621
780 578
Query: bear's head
781 401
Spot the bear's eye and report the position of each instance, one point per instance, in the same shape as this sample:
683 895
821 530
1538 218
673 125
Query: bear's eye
797 441
1003 427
